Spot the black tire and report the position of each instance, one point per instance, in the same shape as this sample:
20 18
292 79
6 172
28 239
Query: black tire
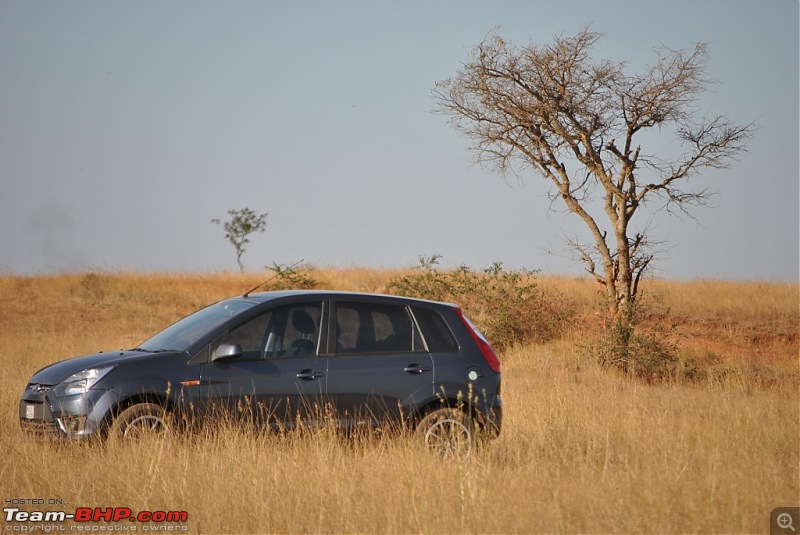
448 433
141 421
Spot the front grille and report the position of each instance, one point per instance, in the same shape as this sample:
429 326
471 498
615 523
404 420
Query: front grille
35 418
39 428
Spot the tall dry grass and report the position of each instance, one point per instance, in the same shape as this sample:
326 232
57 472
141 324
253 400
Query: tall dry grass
582 450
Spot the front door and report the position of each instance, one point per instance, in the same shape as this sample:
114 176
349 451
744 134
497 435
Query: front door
276 379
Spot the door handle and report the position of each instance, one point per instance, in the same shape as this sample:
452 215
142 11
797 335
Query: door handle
309 375
416 368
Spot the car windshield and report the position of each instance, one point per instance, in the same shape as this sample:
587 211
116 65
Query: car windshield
181 335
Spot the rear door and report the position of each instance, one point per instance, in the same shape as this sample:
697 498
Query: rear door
377 364
279 376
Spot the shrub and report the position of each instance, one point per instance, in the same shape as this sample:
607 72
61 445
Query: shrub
506 305
645 355
291 278
640 347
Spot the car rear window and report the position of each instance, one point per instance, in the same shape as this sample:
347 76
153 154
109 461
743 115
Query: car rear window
375 328
435 330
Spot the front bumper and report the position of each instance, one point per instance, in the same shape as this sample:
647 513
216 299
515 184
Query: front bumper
43 415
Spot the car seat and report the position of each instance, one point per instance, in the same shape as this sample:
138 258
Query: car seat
304 324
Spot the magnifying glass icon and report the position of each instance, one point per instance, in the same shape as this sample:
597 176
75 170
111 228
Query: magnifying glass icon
785 521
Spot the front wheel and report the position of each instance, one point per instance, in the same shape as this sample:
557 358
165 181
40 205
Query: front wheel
141 421
447 433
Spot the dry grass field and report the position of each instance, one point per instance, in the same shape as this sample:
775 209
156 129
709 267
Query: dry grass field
583 449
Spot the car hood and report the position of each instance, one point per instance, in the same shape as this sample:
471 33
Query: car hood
58 371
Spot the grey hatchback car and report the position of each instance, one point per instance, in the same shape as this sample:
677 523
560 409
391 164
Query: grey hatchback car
282 359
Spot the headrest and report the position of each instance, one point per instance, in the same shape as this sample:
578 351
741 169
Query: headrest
303 322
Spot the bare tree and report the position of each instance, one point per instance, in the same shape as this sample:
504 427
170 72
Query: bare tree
578 122
242 223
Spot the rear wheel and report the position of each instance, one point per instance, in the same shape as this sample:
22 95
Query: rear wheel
447 433
139 421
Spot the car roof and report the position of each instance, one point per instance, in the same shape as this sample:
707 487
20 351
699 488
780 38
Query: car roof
332 294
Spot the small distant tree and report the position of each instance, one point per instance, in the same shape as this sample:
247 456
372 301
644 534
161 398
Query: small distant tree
242 224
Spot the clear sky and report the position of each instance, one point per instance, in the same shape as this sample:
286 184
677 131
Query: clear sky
125 127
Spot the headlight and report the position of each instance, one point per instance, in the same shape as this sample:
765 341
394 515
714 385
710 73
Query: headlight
79 383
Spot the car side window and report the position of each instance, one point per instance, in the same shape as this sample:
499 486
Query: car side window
287 331
437 334
249 336
294 331
375 328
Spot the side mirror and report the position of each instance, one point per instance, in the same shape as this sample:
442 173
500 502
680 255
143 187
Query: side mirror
226 352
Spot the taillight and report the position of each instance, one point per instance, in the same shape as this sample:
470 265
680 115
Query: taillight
486 350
